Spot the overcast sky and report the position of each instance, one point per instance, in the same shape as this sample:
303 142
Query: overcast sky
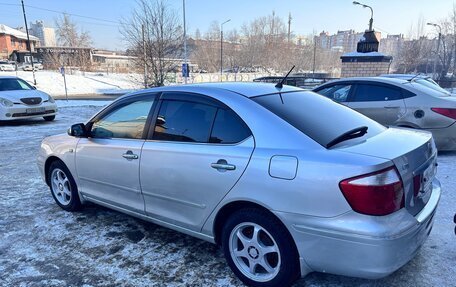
309 16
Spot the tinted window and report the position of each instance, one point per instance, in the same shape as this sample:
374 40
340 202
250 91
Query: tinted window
127 121
369 93
13 85
338 93
318 117
184 121
228 128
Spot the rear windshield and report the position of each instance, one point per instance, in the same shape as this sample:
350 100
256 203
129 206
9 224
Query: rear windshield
320 118
433 85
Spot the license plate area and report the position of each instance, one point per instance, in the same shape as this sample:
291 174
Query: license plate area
428 176
35 110
423 181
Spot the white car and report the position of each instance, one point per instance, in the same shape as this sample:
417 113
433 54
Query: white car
28 66
6 66
20 100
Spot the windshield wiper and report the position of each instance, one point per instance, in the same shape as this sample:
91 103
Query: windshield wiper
351 134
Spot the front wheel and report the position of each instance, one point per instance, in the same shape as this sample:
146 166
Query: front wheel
259 249
63 187
49 118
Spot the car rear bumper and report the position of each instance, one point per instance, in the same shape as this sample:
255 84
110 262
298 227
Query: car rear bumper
20 111
445 138
358 245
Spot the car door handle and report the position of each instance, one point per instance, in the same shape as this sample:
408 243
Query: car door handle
130 155
222 164
391 107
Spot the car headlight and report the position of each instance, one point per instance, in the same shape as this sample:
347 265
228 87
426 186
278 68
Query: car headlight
5 102
51 99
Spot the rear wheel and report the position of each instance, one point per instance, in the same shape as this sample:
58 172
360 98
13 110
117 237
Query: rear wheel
63 187
259 249
49 118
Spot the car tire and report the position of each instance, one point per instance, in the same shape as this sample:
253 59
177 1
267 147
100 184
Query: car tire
259 249
63 187
49 118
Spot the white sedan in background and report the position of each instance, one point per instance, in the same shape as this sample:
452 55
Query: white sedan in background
20 100
7 66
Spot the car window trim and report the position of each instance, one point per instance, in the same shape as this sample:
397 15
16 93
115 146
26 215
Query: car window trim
123 102
199 98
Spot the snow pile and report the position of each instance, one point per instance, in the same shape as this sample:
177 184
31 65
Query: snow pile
80 83
359 54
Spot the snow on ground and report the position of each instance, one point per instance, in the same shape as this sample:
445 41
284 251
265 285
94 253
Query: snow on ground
52 82
81 103
42 245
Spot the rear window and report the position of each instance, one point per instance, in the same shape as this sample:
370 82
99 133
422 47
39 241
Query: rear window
320 118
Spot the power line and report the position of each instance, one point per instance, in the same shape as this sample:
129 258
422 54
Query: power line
62 12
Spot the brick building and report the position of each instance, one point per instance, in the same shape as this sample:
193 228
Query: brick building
14 40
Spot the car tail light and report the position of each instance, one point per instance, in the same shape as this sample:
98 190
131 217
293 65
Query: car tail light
378 193
451 113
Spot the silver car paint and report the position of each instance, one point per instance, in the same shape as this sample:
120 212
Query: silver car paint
311 200
186 195
105 175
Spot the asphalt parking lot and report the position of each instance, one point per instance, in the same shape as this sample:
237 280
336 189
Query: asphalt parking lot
42 245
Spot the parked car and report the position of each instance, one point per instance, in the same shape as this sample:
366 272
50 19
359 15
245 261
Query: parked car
6 66
284 192
28 66
20 100
420 79
398 102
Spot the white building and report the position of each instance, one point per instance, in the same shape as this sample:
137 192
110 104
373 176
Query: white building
45 34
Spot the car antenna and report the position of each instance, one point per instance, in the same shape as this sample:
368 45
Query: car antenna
279 85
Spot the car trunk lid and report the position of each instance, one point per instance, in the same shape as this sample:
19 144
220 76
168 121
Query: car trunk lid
413 153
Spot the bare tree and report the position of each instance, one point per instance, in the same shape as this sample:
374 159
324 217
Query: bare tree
161 47
68 34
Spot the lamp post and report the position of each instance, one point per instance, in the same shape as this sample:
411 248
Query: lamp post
221 48
438 46
371 21
185 45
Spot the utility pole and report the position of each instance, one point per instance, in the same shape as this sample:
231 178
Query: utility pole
185 47
28 42
314 57
145 54
289 27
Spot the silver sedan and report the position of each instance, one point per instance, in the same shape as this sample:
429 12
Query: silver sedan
412 103
284 191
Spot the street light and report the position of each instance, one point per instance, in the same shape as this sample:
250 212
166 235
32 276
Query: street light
371 21
438 46
221 47
185 46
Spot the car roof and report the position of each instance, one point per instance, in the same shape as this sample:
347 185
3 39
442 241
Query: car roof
8 77
378 79
404 76
247 89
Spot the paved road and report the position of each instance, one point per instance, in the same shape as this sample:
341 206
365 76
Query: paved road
42 245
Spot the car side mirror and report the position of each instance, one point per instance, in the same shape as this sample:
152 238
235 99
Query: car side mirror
33 87
78 130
